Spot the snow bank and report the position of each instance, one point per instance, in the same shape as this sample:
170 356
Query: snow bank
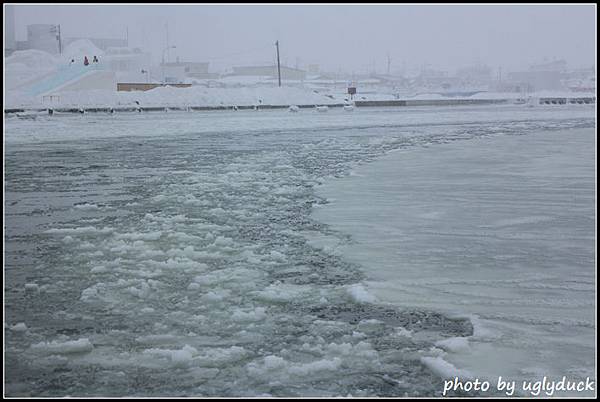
80 48
178 97
31 59
25 66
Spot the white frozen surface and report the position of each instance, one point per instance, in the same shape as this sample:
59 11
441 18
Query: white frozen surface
25 66
174 97
20 327
444 369
182 247
400 120
63 347
497 229
360 295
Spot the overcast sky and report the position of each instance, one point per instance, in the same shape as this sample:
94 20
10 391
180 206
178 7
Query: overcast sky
347 37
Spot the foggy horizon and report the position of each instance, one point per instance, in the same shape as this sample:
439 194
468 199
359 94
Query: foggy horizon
351 38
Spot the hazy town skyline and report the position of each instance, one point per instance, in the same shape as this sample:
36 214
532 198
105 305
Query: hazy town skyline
357 38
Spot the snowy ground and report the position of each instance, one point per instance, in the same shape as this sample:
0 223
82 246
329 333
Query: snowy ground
243 96
171 96
178 254
32 76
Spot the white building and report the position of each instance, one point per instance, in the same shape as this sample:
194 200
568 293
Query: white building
43 37
183 71
10 44
130 65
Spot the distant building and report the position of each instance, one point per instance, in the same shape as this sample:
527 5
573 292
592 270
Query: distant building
287 73
583 73
100 43
180 71
43 37
537 80
559 66
431 74
21 45
121 59
581 80
475 74
389 80
129 64
542 76
10 43
430 79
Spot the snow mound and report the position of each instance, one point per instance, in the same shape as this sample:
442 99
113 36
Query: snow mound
24 67
31 60
80 48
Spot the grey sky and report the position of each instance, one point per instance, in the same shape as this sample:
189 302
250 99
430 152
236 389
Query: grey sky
348 37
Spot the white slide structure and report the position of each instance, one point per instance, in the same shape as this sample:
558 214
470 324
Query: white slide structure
73 78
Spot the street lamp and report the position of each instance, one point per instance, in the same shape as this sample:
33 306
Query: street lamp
163 59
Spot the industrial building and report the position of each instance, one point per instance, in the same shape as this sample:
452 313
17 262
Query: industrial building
179 71
287 73
43 37
10 42
100 43
543 76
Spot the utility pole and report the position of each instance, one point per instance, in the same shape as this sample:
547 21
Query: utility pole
59 41
167 30
389 62
163 60
278 65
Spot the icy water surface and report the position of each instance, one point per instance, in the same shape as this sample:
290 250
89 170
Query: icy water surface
501 230
176 254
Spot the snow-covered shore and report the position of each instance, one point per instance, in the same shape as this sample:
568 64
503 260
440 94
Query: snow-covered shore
171 96
38 80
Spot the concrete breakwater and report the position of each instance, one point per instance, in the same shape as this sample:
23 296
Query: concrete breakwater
362 103
154 108
430 102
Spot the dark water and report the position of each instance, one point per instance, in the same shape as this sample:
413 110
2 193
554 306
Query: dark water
189 264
